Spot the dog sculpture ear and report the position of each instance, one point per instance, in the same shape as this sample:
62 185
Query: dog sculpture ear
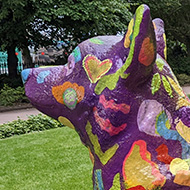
140 44
160 37
140 39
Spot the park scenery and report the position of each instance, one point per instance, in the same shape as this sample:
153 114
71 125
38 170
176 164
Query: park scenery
107 73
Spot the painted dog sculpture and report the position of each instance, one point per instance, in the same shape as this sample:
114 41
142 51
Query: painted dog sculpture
124 101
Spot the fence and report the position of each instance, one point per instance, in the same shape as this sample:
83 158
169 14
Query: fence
4 68
4 64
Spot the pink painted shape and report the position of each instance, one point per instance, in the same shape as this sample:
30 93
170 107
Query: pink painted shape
112 105
106 125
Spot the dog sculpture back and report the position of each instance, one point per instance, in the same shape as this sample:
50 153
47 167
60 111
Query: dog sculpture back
124 101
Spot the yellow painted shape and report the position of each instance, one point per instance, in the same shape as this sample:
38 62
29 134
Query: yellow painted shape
165 48
167 86
65 122
182 101
160 64
128 34
138 171
116 183
182 178
91 156
177 164
176 87
183 130
156 82
103 156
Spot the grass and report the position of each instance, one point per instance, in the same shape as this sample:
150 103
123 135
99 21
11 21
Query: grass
50 160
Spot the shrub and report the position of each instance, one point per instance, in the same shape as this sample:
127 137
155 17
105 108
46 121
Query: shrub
9 96
12 82
179 64
183 79
34 123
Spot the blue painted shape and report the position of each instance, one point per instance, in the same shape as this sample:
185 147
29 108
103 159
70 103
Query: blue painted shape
77 54
98 180
25 74
169 134
42 75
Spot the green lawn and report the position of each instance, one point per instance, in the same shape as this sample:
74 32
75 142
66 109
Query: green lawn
50 160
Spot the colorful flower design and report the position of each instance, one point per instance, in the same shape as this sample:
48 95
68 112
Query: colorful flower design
68 94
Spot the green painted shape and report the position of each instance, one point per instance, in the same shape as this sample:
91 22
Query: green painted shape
160 64
110 81
103 156
116 183
167 86
156 82
96 41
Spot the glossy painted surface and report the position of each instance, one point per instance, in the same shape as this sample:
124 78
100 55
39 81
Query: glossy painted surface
124 101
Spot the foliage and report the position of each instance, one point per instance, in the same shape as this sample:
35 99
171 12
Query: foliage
183 79
180 64
34 123
11 82
52 159
9 96
42 23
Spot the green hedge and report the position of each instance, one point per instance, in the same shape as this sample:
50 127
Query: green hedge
9 96
34 123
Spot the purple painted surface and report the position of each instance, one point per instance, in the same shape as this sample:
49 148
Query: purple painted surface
125 103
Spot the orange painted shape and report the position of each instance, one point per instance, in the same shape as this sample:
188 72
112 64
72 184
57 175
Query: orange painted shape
163 155
182 178
146 55
58 91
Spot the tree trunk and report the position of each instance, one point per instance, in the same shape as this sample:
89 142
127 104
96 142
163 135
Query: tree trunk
27 60
188 48
12 61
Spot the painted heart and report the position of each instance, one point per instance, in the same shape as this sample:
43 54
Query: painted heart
95 68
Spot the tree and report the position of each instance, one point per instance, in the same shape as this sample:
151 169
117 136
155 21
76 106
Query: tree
42 23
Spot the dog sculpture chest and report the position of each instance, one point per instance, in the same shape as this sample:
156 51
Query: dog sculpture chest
122 98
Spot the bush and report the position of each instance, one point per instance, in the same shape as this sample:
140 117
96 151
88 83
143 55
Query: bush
34 123
180 65
9 96
183 79
12 82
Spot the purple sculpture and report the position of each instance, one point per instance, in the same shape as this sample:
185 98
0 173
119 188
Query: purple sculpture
124 101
